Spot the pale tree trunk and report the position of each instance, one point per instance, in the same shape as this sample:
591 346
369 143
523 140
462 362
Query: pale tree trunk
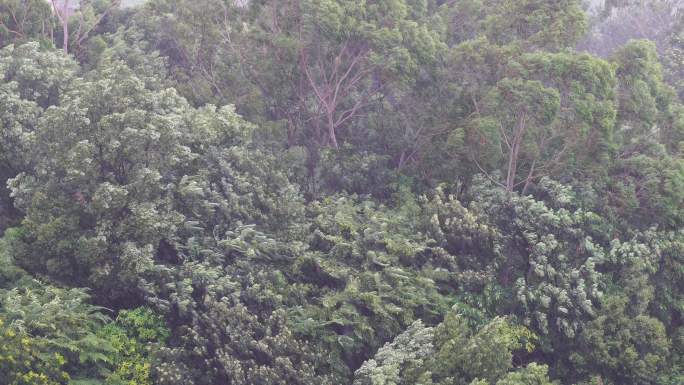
63 17
65 28
332 138
335 83
514 153
529 178
83 30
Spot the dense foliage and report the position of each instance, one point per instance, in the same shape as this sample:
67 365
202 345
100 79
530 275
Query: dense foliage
385 192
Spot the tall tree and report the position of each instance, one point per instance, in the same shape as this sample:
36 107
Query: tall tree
519 114
22 21
349 51
103 161
84 16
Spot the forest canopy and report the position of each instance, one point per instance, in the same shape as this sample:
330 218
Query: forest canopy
307 192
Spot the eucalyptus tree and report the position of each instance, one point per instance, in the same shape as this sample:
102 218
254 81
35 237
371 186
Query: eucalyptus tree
548 114
23 21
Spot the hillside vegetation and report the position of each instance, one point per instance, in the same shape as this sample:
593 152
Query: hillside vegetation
307 192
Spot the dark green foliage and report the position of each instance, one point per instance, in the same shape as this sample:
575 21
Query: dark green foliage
537 24
623 348
228 344
26 20
372 277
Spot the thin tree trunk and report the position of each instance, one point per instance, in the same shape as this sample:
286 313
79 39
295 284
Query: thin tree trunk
331 131
513 156
65 26
529 177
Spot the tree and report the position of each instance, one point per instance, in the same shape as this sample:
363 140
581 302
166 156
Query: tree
405 192
556 115
54 336
334 57
533 24
641 89
673 58
585 125
372 275
543 265
401 361
495 58
135 335
624 348
90 14
453 353
518 115
99 209
59 330
226 343
195 39
22 363
23 21
620 21
349 51
532 374
537 24
31 80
